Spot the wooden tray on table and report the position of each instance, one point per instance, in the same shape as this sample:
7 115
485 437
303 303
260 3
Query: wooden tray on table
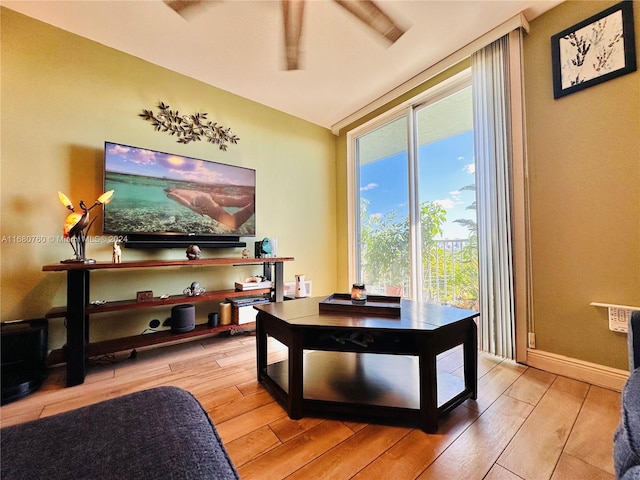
375 305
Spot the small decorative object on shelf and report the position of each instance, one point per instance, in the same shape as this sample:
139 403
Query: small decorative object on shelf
266 247
144 296
116 257
76 225
193 252
245 253
195 290
189 128
358 294
225 313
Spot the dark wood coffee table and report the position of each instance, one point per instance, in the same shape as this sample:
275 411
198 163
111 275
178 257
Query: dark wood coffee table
360 365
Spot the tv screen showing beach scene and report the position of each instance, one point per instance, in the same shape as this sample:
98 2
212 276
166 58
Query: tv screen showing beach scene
164 193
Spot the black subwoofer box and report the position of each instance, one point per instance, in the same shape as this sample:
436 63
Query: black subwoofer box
24 355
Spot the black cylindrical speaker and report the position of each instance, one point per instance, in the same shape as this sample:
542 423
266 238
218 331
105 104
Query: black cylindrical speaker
214 319
183 318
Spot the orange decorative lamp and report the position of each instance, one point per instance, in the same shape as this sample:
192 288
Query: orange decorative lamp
76 225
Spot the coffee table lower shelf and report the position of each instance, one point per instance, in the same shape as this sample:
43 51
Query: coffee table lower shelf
361 386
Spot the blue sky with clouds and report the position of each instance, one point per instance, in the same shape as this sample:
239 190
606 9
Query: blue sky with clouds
444 168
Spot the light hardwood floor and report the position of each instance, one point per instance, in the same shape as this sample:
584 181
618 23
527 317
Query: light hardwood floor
526 423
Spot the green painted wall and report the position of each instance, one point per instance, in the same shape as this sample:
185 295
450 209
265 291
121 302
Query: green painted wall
584 178
63 96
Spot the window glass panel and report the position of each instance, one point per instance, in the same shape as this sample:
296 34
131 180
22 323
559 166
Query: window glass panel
416 232
384 224
446 178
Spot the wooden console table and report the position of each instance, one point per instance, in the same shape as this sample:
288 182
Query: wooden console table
361 365
78 309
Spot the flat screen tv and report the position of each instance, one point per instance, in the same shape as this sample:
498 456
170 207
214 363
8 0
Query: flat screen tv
167 200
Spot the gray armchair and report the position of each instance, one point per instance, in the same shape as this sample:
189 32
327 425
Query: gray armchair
634 341
626 441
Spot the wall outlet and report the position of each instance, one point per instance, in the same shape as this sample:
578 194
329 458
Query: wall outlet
619 319
619 316
532 340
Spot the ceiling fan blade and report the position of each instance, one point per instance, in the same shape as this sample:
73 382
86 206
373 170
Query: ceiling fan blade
292 11
368 12
185 8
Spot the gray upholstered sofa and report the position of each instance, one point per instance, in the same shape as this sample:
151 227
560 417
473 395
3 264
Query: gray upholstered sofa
626 445
161 433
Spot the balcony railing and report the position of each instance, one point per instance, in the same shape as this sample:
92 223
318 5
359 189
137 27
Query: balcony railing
450 275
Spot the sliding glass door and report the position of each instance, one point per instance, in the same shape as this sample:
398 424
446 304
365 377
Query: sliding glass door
416 225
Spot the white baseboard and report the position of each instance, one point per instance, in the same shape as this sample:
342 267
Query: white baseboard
606 377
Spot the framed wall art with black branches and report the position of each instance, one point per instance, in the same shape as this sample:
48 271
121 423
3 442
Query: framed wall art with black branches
594 51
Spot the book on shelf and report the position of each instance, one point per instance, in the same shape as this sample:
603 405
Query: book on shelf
245 286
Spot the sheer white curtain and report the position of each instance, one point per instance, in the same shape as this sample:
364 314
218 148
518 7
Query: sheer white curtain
492 120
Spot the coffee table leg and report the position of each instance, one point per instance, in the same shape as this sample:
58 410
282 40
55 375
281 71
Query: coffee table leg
428 390
471 360
296 380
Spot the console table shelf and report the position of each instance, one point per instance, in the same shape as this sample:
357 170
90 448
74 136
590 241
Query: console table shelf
78 309
136 341
119 305
203 262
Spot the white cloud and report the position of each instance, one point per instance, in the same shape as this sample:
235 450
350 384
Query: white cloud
470 168
445 203
369 186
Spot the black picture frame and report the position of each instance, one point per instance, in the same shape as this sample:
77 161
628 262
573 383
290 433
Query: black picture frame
594 51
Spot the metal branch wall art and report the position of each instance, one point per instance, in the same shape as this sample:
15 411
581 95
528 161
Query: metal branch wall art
189 128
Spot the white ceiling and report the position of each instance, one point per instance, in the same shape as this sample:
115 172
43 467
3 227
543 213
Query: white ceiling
237 45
